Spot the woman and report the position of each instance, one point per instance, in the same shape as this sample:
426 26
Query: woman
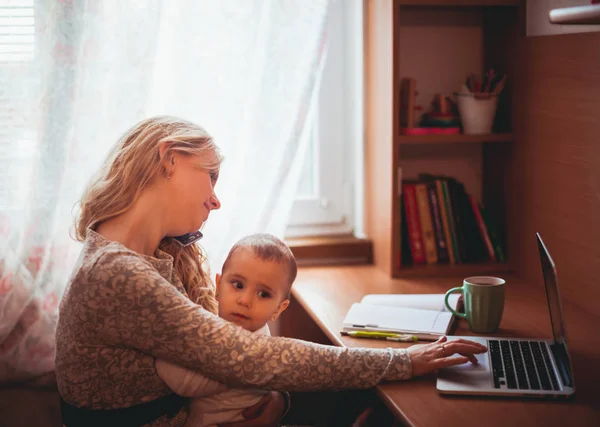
137 294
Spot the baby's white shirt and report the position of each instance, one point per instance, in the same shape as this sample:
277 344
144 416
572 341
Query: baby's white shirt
212 403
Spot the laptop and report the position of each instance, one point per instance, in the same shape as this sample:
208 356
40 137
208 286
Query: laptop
519 366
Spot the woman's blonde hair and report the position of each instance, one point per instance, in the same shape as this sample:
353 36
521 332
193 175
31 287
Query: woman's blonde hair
133 163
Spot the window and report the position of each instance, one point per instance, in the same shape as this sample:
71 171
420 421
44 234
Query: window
325 202
17 133
16 30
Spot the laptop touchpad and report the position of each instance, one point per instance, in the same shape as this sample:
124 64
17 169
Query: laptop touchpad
482 366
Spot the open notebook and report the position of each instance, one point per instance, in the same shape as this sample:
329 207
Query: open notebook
423 315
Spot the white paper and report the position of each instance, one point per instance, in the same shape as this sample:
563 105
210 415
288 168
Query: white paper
423 301
373 317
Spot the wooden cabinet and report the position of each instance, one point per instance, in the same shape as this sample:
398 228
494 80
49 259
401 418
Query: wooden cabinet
437 43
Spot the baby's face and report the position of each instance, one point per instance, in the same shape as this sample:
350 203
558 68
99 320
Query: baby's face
252 291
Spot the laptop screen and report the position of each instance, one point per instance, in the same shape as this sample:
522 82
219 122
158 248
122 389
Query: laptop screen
550 280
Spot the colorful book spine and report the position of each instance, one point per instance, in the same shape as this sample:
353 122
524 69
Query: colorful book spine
426 223
494 236
438 229
439 185
468 232
454 192
414 227
482 228
452 220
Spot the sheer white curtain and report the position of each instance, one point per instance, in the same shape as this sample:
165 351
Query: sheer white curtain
75 74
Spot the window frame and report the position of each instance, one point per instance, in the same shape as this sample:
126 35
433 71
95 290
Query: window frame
337 208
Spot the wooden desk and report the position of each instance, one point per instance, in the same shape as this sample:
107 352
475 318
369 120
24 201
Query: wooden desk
326 293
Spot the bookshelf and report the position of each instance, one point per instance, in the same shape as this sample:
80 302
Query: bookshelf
451 270
437 42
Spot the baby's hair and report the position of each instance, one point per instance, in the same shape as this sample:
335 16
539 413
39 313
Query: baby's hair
267 248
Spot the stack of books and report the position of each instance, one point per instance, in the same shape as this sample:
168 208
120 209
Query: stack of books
443 224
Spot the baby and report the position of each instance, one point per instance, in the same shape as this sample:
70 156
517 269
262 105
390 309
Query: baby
252 289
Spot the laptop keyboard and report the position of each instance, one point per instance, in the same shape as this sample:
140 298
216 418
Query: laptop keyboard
522 365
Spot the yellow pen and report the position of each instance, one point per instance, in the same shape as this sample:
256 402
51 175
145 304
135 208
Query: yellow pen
383 336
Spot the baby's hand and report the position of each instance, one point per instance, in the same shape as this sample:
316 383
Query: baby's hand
267 412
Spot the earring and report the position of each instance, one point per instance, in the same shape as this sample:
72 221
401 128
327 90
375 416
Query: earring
169 174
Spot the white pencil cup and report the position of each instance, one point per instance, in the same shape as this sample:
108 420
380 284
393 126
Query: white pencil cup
477 112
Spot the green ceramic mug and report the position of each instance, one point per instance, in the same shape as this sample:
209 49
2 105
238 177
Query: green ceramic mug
483 298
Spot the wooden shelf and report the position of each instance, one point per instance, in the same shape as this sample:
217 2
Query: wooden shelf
447 270
460 37
332 250
454 3
454 139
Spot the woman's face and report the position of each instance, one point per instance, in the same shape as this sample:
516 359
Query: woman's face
192 192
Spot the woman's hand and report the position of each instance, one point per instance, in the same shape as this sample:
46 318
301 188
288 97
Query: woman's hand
267 412
427 358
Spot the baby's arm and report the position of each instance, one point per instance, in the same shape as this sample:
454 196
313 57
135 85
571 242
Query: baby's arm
186 382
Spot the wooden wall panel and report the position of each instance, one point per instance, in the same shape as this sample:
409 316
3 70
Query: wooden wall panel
503 34
295 322
379 150
439 47
555 172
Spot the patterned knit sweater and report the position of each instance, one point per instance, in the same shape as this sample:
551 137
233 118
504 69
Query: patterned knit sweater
122 309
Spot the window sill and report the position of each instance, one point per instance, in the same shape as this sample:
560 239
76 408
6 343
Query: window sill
331 250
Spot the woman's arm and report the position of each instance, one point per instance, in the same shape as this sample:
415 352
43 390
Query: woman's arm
134 306
189 383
